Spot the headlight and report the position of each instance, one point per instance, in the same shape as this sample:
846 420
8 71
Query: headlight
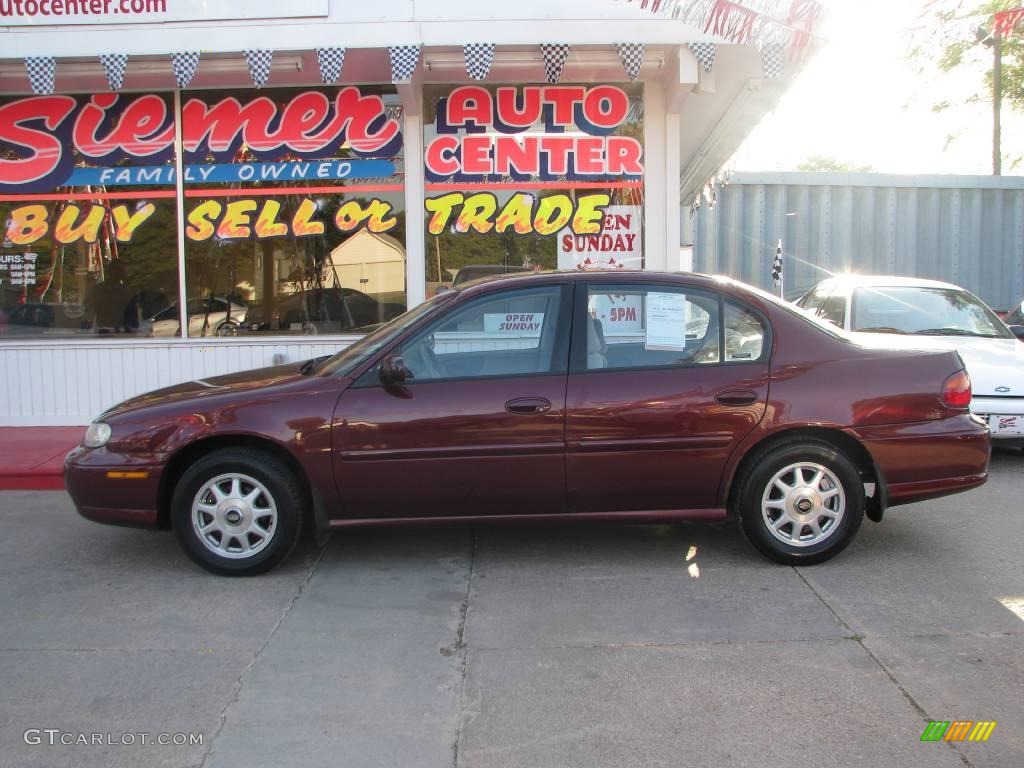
97 435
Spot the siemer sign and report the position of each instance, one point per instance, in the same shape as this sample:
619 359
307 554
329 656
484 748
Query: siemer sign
18 13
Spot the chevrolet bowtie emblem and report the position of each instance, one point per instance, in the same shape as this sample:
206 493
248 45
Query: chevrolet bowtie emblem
1002 389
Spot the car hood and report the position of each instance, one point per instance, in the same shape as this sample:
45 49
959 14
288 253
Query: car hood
996 366
214 386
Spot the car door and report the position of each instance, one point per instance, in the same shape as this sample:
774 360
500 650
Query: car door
665 381
478 430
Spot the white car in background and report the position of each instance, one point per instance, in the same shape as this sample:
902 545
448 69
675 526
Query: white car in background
214 316
909 312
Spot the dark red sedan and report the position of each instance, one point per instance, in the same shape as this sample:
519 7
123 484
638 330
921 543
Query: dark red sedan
593 396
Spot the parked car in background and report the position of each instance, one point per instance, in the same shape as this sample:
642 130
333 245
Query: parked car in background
517 399
215 316
911 312
35 319
325 310
1015 319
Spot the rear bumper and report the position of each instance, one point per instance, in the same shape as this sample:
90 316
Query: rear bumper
929 459
112 491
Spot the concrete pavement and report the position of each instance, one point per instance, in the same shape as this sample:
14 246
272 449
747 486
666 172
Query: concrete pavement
550 646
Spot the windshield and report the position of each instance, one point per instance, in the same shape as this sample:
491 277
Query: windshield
353 356
924 311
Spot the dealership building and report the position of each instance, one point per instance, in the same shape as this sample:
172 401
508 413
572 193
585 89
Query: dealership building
191 188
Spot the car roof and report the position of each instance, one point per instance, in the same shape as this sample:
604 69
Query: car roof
694 279
887 281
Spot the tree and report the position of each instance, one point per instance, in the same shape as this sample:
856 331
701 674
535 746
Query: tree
828 164
957 35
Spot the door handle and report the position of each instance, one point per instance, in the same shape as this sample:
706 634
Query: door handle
736 397
528 405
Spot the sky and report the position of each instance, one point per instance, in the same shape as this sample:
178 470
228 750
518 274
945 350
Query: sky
860 101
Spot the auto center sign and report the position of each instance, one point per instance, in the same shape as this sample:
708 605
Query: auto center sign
19 13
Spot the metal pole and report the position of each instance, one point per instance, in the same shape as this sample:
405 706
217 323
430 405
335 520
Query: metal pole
997 99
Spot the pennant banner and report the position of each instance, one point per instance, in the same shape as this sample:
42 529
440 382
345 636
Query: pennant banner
42 71
259 63
479 57
404 59
773 60
744 21
555 56
704 53
184 66
632 56
1006 21
115 65
331 61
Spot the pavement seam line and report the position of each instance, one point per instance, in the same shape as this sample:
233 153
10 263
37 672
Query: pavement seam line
240 682
859 640
460 647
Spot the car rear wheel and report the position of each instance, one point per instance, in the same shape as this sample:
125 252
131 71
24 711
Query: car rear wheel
237 512
800 502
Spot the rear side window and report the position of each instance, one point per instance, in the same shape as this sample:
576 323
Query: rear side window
632 326
833 309
744 334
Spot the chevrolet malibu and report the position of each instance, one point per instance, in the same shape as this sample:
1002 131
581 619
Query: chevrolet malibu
591 396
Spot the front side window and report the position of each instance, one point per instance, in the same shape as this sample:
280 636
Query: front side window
924 311
649 326
511 334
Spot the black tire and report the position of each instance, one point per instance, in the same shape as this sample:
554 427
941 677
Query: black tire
271 541
227 329
757 484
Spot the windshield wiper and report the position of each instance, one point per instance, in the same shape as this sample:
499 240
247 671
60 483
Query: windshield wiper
880 329
949 332
311 366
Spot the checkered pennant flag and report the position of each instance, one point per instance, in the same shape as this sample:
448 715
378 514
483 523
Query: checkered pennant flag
42 71
184 66
777 266
773 59
704 53
115 64
259 66
632 56
404 59
555 56
479 57
331 61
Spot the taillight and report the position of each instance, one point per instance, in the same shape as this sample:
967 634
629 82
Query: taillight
956 391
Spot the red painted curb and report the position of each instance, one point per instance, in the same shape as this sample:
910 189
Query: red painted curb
32 482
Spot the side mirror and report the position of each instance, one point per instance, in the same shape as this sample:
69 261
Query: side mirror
1018 331
392 370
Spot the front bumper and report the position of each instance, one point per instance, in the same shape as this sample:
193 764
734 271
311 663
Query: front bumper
112 489
929 459
1004 415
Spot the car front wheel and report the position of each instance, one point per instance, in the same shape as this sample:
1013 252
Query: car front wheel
237 512
801 502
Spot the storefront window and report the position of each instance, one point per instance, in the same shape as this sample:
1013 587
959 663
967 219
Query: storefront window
87 198
527 178
295 220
